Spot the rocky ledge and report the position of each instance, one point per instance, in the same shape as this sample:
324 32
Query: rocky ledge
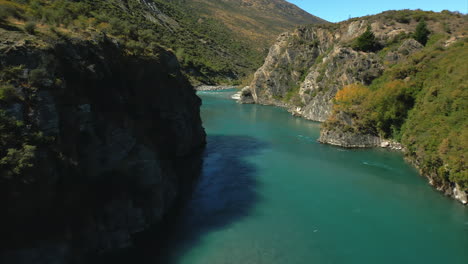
355 140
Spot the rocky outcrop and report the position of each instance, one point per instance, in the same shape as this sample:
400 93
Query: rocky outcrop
342 66
408 47
348 139
351 139
122 135
245 96
459 194
289 59
307 67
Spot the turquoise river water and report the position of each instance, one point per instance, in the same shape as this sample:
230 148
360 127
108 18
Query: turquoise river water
271 194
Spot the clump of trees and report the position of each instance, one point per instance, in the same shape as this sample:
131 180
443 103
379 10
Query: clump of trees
366 42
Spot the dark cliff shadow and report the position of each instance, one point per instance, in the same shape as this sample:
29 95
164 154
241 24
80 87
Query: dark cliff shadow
225 193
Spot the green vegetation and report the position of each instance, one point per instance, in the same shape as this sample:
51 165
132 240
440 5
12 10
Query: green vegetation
366 42
18 145
408 16
258 22
30 27
7 93
421 102
422 33
207 50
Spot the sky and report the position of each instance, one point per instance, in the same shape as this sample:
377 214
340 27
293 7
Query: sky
339 10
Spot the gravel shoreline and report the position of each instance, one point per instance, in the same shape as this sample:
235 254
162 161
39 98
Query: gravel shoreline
213 87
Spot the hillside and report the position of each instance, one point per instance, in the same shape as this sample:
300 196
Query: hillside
399 76
215 41
257 21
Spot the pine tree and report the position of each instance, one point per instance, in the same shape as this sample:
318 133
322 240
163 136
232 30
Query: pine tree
422 33
366 42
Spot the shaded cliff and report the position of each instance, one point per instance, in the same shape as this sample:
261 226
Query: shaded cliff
369 79
98 145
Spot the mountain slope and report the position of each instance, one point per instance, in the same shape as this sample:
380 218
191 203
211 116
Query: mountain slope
259 21
215 41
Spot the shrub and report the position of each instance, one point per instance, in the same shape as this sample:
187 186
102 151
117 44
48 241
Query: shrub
36 76
10 73
17 161
30 27
7 93
422 33
350 96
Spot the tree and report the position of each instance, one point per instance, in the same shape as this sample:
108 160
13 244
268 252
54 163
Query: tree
422 33
366 42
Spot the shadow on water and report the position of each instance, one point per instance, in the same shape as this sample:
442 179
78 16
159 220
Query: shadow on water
225 193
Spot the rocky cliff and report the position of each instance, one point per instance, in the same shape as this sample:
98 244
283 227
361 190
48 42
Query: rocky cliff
102 145
380 95
305 68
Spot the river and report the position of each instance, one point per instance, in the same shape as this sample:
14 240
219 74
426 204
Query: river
271 194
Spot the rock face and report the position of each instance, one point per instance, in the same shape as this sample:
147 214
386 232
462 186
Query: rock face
341 67
307 67
246 96
460 195
124 135
349 139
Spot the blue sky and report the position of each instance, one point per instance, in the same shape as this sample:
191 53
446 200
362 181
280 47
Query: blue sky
339 10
